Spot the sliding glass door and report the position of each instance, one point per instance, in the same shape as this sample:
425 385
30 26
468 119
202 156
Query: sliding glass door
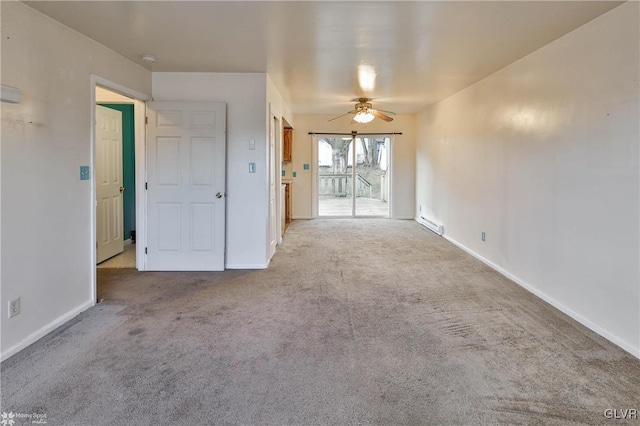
353 176
335 195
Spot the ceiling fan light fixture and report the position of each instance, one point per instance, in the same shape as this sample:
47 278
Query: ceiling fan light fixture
364 112
363 117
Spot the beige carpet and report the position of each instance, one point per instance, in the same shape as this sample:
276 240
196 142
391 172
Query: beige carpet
355 322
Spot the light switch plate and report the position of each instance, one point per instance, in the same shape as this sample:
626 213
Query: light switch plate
84 173
305 166
252 167
294 174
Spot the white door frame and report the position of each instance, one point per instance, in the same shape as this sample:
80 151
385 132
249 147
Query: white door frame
277 132
141 171
272 181
278 177
314 177
390 171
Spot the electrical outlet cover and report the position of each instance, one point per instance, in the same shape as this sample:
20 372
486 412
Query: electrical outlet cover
294 174
14 307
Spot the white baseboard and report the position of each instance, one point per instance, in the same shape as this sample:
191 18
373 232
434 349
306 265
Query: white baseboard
127 242
553 302
33 337
248 266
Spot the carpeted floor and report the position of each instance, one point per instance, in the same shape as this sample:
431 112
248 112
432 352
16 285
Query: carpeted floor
355 322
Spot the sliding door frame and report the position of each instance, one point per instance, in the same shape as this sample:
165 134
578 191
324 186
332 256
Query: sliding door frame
315 169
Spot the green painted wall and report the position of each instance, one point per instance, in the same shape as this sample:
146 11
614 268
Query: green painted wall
128 166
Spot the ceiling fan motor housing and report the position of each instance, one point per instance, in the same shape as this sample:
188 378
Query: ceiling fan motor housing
363 105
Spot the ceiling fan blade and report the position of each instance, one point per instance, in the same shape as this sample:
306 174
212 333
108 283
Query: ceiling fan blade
340 116
388 112
380 115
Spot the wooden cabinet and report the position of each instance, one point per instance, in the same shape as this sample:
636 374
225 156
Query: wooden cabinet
286 144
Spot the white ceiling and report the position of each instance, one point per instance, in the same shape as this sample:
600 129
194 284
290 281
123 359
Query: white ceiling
420 51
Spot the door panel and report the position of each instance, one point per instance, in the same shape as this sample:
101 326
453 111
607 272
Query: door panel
202 231
169 226
335 177
109 227
202 156
370 176
186 172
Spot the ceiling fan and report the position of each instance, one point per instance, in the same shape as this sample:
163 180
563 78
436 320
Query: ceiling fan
365 113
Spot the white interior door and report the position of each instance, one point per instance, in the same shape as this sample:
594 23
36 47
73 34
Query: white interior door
109 211
185 186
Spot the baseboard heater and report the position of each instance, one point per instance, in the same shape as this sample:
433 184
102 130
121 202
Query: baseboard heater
435 227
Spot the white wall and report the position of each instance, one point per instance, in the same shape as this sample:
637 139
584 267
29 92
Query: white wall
402 168
543 156
46 209
245 96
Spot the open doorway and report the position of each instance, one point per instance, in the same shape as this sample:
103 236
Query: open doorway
104 91
115 180
353 175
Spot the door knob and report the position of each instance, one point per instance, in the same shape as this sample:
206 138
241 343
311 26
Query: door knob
220 195
122 188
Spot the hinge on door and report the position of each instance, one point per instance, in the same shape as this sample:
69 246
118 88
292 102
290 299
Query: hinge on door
146 185
145 250
146 120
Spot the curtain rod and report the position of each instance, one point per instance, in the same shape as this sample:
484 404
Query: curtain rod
354 133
